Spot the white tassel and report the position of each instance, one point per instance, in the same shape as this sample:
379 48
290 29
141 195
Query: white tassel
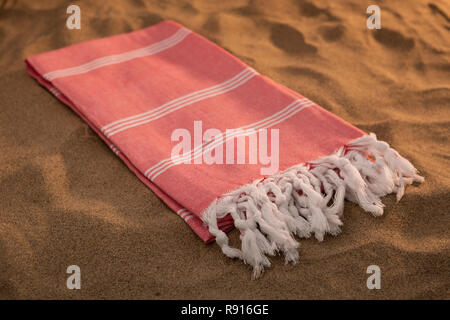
269 212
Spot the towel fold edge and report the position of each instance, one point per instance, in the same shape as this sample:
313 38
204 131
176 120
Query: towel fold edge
308 199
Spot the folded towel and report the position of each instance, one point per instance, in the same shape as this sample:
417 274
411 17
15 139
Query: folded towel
195 124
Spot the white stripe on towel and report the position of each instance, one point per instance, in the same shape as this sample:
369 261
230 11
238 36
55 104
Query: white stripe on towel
55 91
114 149
287 112
121 57
176 104
185 214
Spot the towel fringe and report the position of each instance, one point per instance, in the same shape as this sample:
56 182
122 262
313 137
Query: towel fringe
308 199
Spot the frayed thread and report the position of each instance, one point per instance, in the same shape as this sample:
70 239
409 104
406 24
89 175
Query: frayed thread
308 199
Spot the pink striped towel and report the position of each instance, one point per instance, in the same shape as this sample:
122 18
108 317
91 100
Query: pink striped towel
195 124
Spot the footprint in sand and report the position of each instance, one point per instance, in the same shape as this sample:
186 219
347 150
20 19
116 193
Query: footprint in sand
393 39
212 24
332 33
290 40
150 19
308 9
436 10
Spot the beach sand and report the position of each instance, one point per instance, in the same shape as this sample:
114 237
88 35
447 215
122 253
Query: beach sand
66 199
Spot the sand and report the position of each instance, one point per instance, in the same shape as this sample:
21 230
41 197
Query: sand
66 199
